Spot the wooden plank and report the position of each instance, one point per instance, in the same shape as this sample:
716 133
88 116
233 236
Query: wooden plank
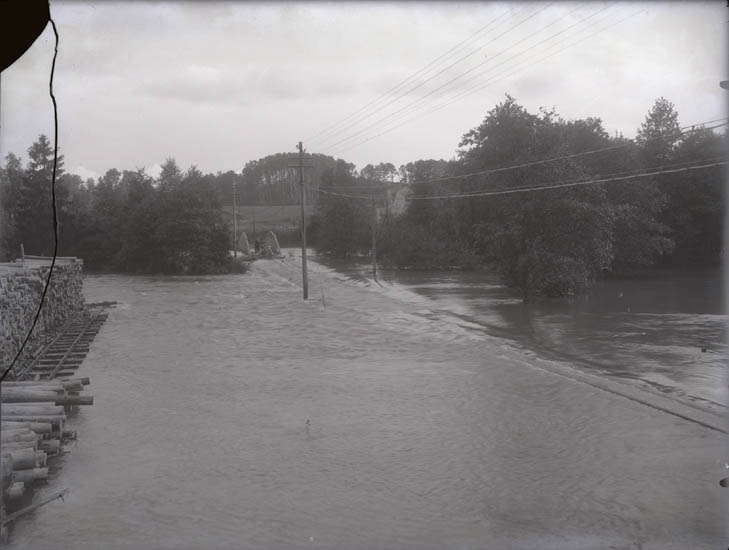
30 475
22 458
25 409
34 506
53 419
37 427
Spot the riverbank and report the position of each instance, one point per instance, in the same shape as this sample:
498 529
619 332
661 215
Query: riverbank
423 431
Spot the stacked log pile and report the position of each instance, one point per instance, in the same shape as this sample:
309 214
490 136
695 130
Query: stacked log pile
33 431
21 287
33 411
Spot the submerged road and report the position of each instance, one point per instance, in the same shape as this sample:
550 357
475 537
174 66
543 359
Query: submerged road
231 414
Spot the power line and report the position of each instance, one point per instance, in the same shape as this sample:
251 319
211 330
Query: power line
458 77
556 185
685 130
404 81
414 104
565 157
444 87
429 109
570 184
528 186
481 86
655 170
494 78
444 69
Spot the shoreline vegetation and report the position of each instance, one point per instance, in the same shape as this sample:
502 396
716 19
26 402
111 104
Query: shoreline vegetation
519 196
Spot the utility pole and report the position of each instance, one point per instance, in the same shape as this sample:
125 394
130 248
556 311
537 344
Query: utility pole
303 223
300 162
374 238
235 224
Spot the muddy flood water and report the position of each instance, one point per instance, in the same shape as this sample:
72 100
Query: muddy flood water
665 328
414 414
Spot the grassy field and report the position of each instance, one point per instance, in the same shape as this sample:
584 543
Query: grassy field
278 218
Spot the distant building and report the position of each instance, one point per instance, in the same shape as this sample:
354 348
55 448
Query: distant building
397 197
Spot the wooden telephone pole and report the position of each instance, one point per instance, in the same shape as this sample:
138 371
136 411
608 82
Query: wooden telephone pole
374 238
300 165
235 224
304 275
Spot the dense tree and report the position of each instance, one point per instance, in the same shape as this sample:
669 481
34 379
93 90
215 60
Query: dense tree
136 223
694 208
274 179
170 176
419 176
659 133
382 172
109 210
550 242
11 181
430 232
190 235
342 223
34 208
542 199
73 209
522 194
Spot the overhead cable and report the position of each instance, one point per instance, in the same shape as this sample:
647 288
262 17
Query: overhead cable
685 130
542 187
480 86
403 110
406 80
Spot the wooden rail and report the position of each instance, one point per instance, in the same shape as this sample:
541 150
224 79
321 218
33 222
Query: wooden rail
65 353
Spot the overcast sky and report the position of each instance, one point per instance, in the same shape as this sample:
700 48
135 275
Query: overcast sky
218 85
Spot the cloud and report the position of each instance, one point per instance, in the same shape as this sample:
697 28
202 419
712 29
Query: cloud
209 84
83 172
219 84
190 87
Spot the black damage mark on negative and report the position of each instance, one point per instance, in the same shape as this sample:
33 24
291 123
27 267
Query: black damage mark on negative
21 22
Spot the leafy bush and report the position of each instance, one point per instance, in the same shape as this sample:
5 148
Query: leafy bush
405 244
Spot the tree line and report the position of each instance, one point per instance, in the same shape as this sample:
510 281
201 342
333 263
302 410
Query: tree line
557 239
465 212
124 222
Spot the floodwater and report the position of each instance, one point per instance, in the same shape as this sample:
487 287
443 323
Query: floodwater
230 413
665 328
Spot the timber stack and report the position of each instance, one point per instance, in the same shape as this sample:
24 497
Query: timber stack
33 430
21 287
42 387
